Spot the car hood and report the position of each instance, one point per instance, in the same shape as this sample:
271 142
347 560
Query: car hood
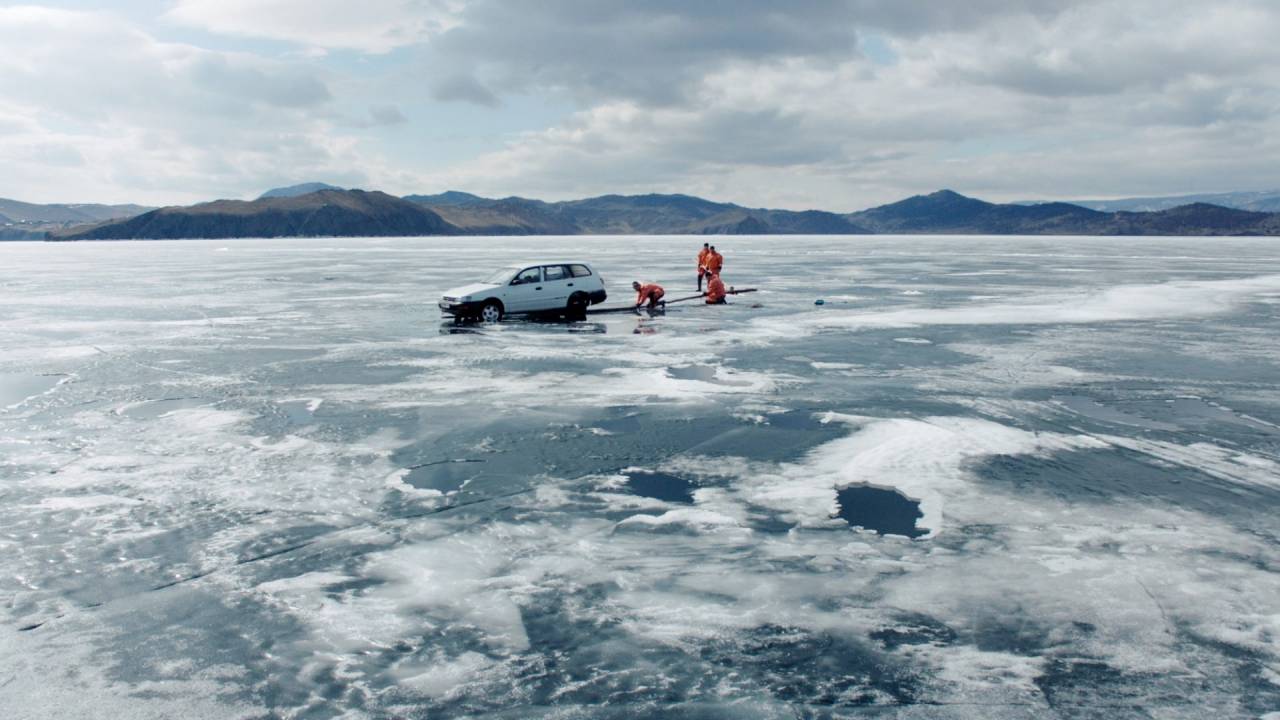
473 289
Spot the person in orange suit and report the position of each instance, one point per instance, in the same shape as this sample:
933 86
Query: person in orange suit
715 290
650 292
715 261
702 263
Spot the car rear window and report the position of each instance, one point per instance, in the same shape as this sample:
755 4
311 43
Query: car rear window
580 270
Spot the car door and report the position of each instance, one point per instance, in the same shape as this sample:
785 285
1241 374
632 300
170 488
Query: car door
556 280
524 293
584 280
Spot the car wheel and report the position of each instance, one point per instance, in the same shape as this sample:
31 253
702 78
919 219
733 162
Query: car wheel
577 308
491 312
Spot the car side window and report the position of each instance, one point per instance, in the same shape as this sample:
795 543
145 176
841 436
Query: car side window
555 272
530 275
580 270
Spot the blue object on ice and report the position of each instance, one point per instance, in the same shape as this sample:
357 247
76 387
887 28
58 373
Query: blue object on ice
819 301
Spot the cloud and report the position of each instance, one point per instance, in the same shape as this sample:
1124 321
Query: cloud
376 26
826 103
1007 100
463 88
1110 48
387 115
138 119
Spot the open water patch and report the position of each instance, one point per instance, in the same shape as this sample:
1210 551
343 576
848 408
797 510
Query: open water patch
885 511
660 486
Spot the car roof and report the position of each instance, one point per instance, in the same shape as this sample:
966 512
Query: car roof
531 263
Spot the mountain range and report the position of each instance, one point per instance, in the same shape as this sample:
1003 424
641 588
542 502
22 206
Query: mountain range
312 210
296 190
315 214
32 221
1256 200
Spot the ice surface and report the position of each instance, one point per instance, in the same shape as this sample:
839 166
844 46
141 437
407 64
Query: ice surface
266 479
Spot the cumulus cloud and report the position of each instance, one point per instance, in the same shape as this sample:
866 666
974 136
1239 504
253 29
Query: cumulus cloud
387 115
464 88
369 25
824 103
1009 100
138 119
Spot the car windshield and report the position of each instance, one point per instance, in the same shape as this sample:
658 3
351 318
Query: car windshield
501 276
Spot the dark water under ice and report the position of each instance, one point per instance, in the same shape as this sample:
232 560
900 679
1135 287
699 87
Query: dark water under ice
988 477
884 511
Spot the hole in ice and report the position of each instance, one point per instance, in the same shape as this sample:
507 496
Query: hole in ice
16 388
884 511
660 486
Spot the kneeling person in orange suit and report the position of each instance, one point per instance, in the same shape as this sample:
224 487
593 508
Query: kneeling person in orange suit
715 291
651 292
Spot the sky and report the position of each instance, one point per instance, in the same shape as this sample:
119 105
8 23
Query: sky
831 104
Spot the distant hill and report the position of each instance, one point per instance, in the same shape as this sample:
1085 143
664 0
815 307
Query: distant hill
318 214
33 221
1257 201
361 213
298 190
449 197
652 214
15 211
948 212
1194 219
509 216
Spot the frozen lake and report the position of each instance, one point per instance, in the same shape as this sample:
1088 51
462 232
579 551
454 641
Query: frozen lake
264 478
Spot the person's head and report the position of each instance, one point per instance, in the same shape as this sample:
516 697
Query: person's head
636 285
713 248
706 245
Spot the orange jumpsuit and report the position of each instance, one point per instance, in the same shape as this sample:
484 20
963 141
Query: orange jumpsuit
702 264
715 290
715 261
652 292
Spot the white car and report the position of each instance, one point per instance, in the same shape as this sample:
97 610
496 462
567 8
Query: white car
559 287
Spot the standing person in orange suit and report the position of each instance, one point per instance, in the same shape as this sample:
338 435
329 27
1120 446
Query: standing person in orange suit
715 290
651 292
702 263
715 261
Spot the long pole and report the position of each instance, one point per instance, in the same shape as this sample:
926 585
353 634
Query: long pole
631 308
697 297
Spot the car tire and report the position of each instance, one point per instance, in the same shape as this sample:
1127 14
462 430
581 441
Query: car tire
577 307
491 311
